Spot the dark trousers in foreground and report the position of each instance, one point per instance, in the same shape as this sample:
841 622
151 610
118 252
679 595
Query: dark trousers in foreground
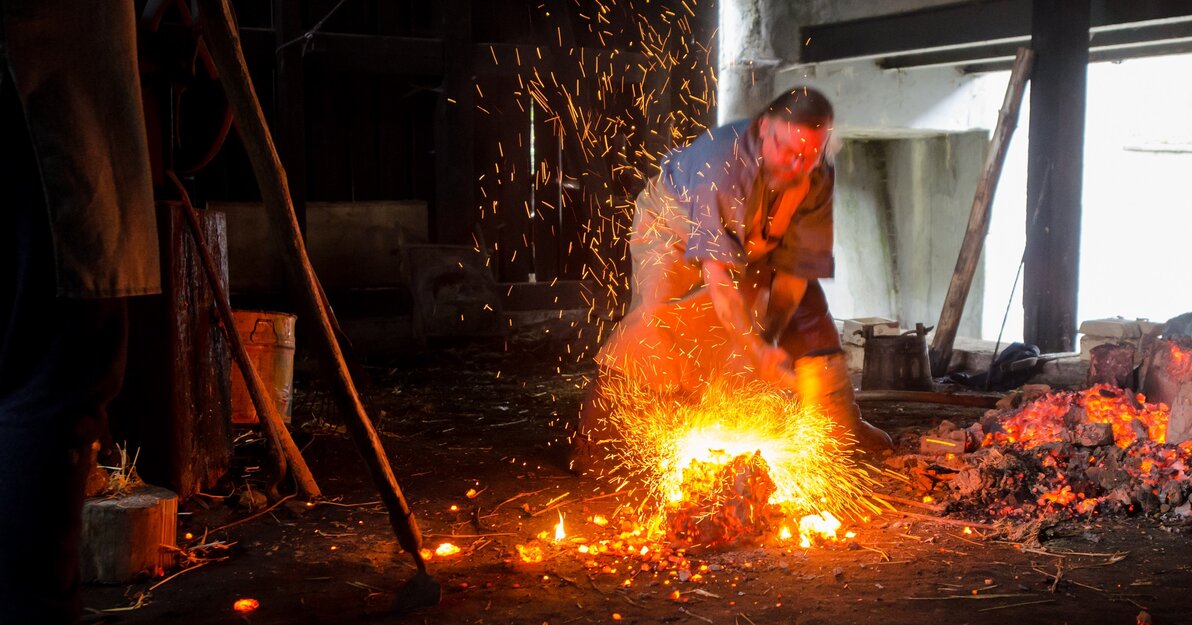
61 362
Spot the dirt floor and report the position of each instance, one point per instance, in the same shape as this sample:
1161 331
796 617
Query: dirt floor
473 437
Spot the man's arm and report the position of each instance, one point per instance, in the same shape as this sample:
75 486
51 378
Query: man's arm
772 362
786 292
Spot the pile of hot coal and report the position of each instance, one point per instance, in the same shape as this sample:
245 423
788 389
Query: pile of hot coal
729 466
1068 454
724 503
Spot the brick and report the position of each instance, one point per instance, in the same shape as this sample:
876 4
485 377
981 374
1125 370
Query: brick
950 443
1150 328
1112 364
1117 328
1088 343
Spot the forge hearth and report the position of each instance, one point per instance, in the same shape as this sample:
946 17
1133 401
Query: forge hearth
1069 454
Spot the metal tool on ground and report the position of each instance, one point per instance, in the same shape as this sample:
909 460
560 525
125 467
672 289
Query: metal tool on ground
223 40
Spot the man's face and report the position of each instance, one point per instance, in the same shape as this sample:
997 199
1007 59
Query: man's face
790 150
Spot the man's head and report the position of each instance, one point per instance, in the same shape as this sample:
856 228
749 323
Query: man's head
794 132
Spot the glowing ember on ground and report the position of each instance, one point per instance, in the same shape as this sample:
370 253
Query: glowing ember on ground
530 554
815 527
446 549
721 468
246 605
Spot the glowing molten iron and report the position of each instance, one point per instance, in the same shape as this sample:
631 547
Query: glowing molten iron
733 464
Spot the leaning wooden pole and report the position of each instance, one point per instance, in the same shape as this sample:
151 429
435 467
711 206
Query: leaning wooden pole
978 225
223 42
275 428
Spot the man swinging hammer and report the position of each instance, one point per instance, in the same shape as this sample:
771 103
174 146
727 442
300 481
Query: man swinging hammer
728 245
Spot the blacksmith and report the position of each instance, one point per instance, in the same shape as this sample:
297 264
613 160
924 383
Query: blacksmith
728 245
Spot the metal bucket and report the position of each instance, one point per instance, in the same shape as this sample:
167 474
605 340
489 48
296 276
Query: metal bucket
269 339
899 363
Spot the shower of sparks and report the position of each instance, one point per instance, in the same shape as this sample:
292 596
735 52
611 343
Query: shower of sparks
662 442
615 84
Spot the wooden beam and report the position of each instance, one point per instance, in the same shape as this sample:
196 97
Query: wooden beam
1108 54
378 54
367 54
955 25
1105 44
1055 167
968 24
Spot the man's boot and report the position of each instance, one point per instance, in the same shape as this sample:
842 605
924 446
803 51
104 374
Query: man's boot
824 381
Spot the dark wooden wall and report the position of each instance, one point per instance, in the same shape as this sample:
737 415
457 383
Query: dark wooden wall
406 99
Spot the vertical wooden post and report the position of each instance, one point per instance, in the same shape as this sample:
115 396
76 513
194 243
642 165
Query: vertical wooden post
1060 30
290 100
454 213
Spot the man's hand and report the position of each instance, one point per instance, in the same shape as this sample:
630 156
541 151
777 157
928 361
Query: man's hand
773 364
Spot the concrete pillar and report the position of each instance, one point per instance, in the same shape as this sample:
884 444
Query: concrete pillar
747 61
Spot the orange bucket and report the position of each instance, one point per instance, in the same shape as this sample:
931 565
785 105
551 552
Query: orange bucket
269 339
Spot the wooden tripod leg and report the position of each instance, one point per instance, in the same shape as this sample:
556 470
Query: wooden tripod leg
223 42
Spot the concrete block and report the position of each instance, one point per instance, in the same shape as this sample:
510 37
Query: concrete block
854 329
1116 328
854 357
1150 328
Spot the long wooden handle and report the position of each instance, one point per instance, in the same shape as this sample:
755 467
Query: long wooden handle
223 42
978 225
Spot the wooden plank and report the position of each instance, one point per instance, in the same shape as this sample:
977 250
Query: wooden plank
978 225
1055 166
175 406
